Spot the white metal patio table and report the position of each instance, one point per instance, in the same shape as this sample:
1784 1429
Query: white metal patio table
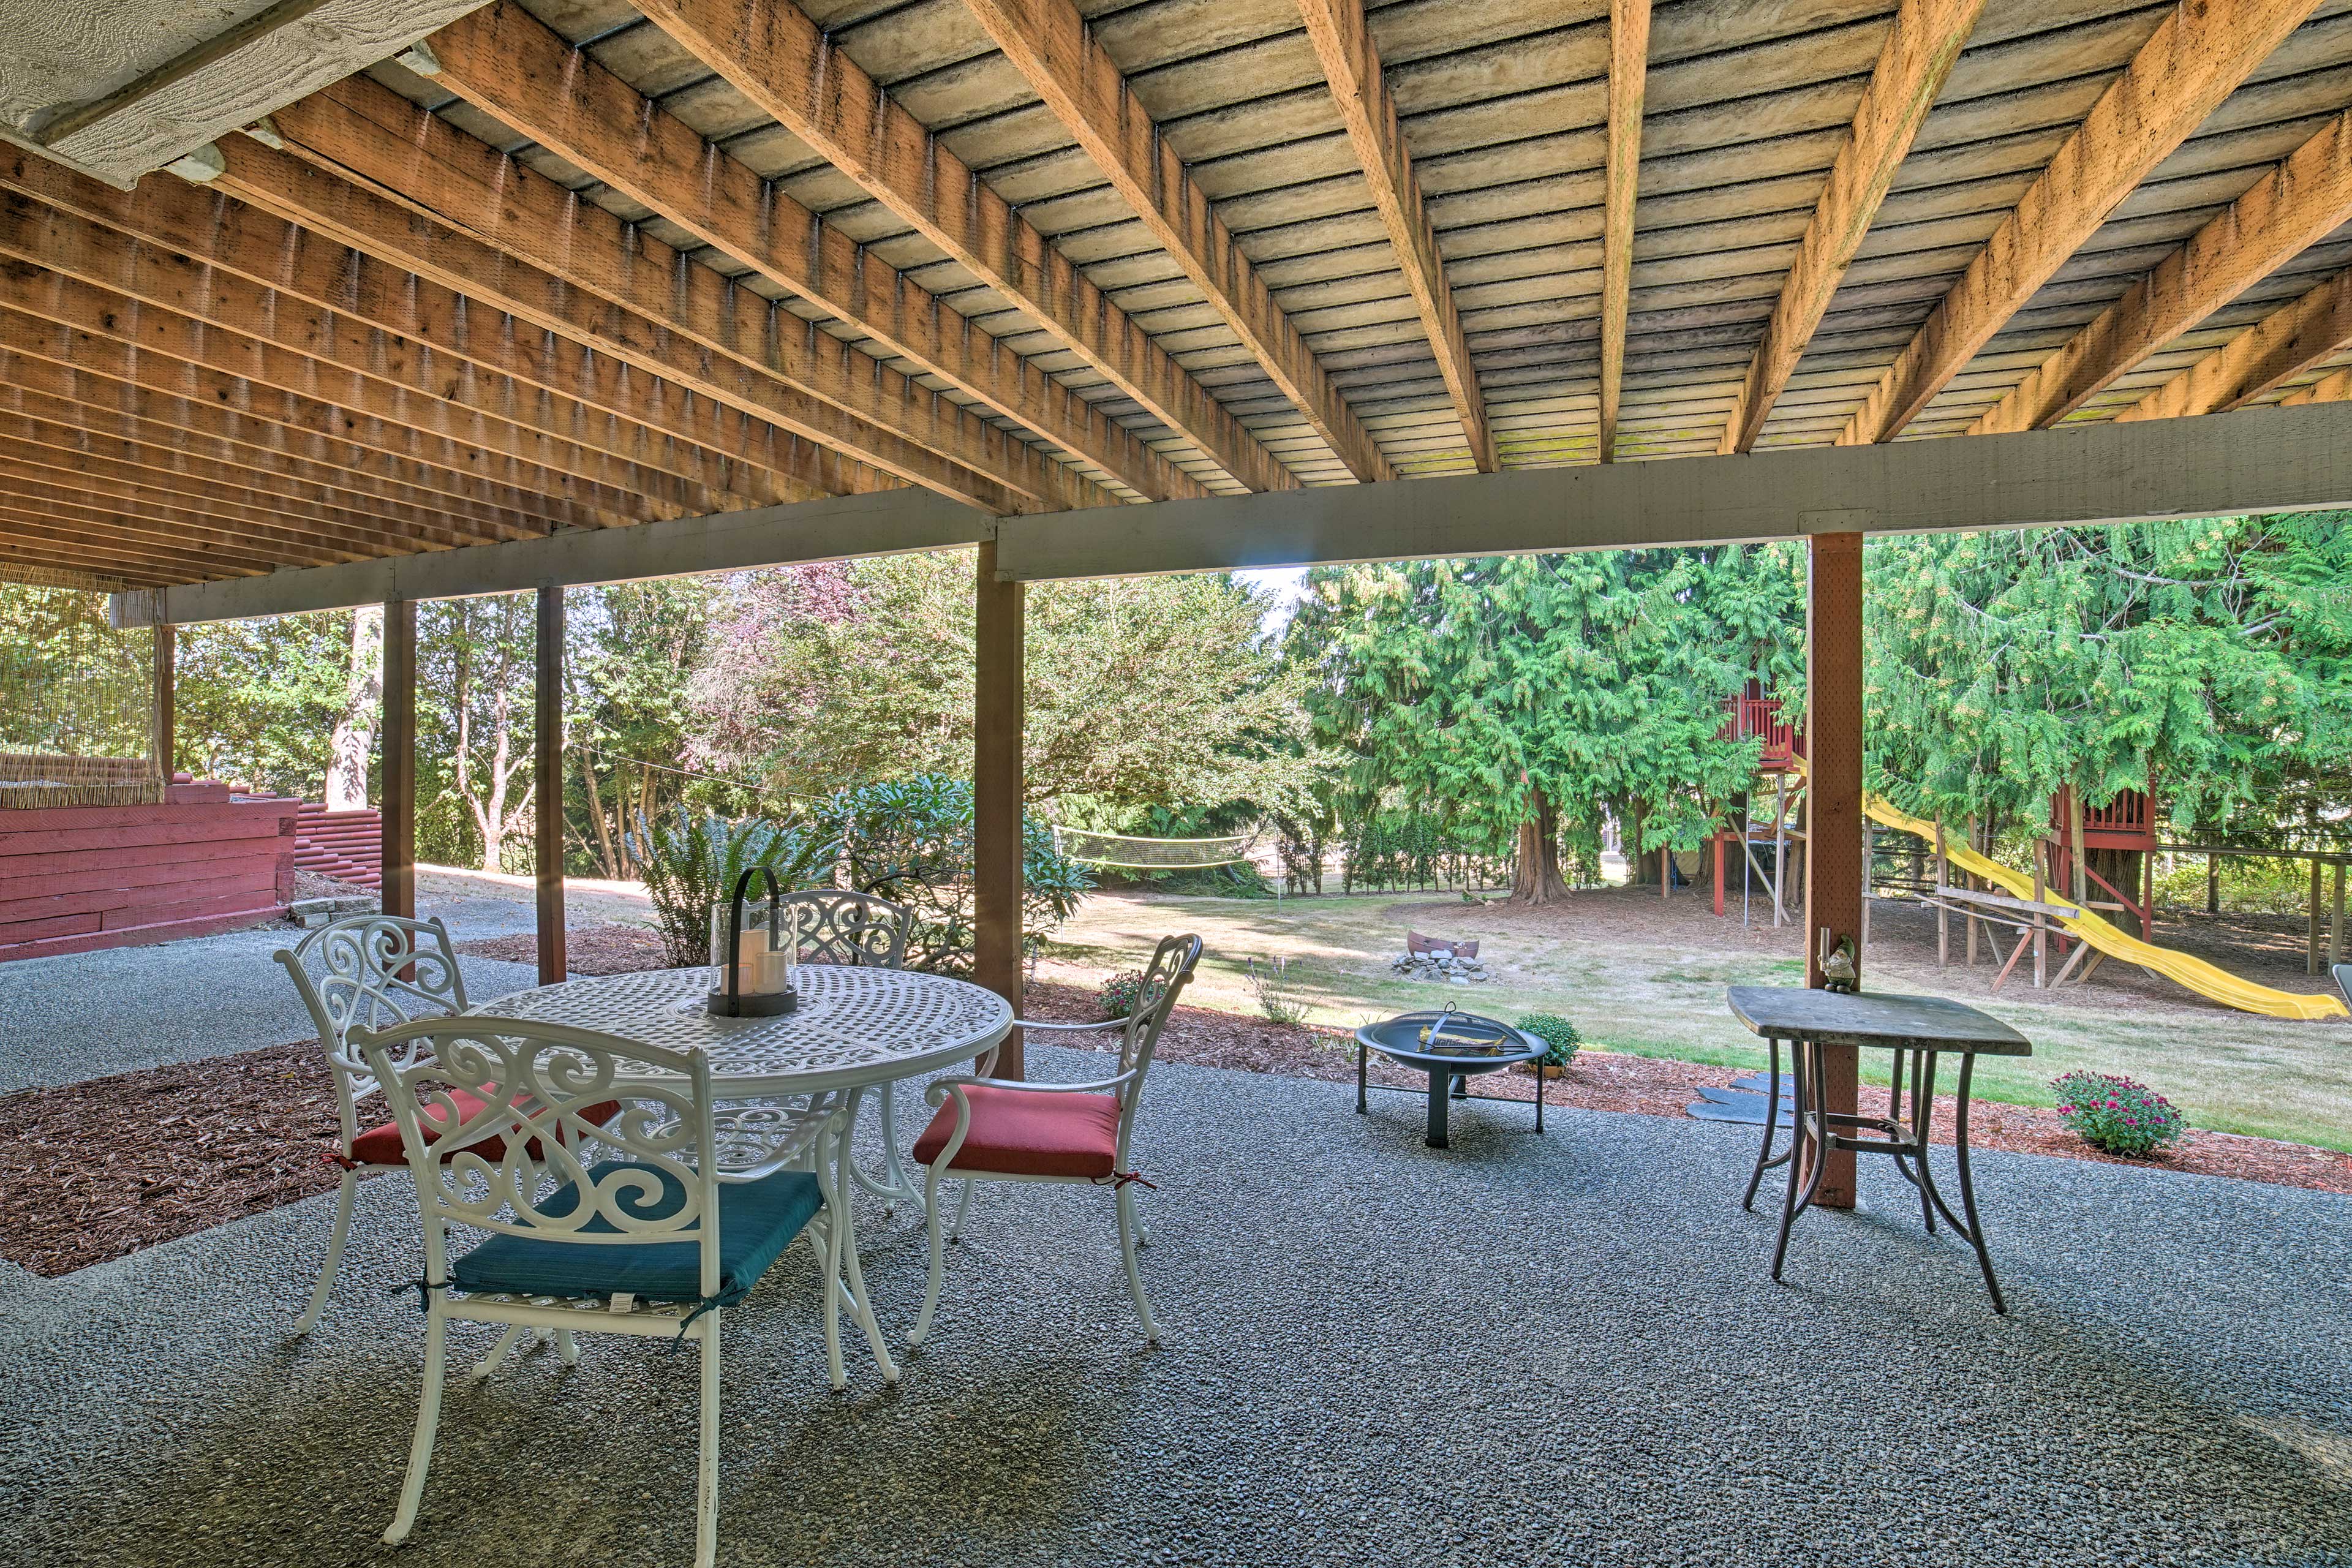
856 1027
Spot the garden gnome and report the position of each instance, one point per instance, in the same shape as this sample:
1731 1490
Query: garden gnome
1839 972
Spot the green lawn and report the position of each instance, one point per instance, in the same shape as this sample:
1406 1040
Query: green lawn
1640 975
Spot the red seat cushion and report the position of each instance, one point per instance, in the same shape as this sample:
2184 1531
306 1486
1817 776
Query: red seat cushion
1024 1132
381 1145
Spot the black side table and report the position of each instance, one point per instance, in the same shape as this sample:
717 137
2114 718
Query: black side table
1916 1029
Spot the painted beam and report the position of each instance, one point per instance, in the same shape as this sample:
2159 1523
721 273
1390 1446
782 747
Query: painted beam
2257 460
887 524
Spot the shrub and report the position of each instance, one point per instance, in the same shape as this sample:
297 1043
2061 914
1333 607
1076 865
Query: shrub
691 862
1558 1035
1281 999
1120 993
2116 1115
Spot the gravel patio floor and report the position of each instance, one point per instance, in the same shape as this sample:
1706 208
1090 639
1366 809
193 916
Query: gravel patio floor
1562 1350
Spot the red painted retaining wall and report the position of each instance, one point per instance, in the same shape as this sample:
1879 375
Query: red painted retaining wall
77 877
345 845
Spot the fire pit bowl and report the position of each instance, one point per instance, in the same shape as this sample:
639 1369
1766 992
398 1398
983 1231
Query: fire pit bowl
1452 1048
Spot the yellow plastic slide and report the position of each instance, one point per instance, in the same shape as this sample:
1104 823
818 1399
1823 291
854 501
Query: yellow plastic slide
2205 979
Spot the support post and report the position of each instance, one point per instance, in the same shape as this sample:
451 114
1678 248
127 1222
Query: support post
2078 877
1943 912
1869 877
1834 893
1970 883
2213 884
998 701
1780 849
2041 922
398 728
164 722
2336 922
2311 924
547 766
1722 842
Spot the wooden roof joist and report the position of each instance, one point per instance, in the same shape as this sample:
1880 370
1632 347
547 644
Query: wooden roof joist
362 165
771 52
515 69
2192 62
234 267
2296 336
1352 62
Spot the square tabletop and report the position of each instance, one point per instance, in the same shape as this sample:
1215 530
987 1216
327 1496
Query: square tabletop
1883 1019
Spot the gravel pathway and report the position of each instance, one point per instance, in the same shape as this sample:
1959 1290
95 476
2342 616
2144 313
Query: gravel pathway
86 1015
1560 1351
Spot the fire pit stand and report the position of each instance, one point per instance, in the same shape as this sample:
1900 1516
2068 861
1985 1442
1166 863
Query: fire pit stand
1452 1048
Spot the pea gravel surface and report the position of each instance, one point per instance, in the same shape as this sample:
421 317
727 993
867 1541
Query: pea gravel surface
1523 1350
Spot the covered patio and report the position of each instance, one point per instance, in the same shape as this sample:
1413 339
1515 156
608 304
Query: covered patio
1555 1349
384 301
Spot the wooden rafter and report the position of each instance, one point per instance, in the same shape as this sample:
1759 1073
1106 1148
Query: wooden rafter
91 465
362 163
509 64
2294 206
216 417
1352 64
1921 47
2198 53
275 471
232 266
36 510
2294 337
2332 388
104 539
1629 68
1049 42
772 54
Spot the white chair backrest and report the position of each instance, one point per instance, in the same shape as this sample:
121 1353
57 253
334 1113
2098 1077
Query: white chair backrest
349 976
827 925
530 1129
1164 979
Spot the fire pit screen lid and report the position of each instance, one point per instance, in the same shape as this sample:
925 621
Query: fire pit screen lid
1447 1034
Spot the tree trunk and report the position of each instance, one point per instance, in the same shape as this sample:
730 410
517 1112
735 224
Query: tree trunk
596 815
354 736
1537 878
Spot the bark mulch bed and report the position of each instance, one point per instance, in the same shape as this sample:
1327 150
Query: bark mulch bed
1653 1086
91 1171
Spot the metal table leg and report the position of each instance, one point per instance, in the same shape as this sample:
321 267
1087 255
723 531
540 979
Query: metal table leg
1967 1223
1764 1157
1811 1130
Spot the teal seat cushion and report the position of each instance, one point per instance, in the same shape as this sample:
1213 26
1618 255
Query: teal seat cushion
757 1220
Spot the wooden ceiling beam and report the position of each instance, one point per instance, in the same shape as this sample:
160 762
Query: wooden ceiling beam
2333 388
237 268
1051 45
772 54
32 538
94 470
1351 63
67 521
1629 68
511 66
362 163
2198 53
1925 39
192 404
154 530
2292 338
28 416
2302 201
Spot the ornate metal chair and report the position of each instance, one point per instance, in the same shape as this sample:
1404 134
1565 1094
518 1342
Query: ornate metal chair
1000 1130
366 972
598 1222
828 925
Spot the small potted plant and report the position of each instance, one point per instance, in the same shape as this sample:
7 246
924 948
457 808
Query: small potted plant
2114 1115
1559 1037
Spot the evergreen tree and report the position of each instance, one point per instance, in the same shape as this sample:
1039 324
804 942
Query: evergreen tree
1532 697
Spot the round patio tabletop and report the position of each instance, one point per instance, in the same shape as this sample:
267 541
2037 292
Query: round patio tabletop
853 1027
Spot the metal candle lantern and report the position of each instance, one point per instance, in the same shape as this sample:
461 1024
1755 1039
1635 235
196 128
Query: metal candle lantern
730 1000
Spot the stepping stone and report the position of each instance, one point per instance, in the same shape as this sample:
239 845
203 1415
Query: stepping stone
1739 1096
1751 1114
